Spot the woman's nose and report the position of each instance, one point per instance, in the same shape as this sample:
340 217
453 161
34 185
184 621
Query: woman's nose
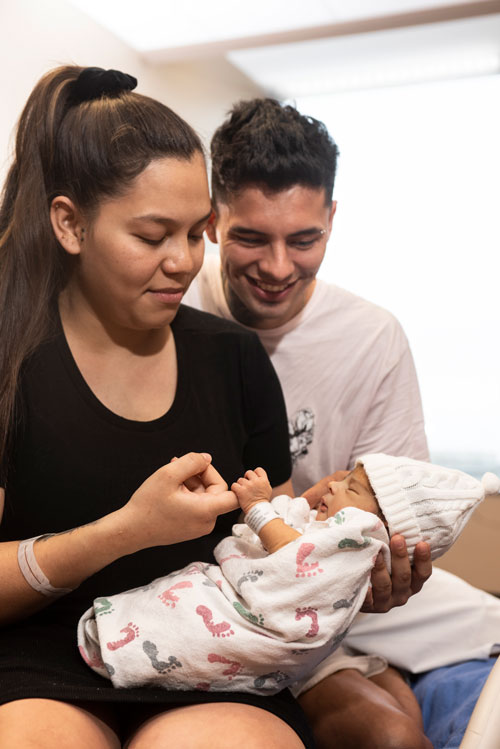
178 256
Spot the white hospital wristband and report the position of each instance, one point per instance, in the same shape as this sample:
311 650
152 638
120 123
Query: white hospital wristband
260 515
31 570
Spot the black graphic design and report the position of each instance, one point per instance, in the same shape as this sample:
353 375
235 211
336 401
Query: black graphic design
301 432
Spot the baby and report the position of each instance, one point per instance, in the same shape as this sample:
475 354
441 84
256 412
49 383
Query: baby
288 583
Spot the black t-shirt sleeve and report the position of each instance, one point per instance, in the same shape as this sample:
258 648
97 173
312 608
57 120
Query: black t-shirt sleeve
265 412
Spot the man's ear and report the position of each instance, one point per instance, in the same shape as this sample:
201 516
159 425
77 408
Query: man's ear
332 214
67 224
211 232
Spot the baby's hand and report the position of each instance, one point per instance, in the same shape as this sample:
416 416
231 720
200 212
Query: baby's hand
253 487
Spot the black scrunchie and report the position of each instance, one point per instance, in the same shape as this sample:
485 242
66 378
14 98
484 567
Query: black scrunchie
93 83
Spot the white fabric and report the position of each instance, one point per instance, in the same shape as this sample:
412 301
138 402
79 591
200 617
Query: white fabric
350 388
423 502
449 621
347 375
255 623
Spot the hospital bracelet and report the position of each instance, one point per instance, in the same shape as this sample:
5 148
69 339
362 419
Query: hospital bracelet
31 570
260 515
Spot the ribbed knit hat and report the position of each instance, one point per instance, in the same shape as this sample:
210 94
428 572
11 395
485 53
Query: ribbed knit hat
425 502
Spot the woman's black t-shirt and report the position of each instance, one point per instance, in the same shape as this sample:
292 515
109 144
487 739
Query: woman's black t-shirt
72 461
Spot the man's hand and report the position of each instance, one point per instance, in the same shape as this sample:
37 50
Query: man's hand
392 590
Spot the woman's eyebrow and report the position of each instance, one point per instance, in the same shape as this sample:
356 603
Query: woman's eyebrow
155 218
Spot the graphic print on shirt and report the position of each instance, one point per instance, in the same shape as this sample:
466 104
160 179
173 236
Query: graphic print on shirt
301 433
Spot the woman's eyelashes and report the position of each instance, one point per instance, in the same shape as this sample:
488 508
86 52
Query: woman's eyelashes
157 242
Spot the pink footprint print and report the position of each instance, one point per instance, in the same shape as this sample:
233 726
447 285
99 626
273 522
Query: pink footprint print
94 661
131 631
304 569
169 598
234 666
223 629
232 556
300 613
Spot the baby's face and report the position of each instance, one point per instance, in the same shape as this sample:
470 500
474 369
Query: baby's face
353 491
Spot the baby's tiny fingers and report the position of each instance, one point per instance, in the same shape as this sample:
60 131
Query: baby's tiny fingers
261 473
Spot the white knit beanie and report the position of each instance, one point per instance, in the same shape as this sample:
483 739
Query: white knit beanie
425 502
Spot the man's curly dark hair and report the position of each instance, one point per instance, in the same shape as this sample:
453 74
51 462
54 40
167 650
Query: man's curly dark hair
272 146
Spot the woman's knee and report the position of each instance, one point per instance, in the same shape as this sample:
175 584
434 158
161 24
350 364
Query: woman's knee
45 724
223 724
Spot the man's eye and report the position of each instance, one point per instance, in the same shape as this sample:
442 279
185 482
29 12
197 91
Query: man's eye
248 241
196 237
304 244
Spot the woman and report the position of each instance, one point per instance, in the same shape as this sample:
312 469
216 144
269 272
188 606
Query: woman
103 380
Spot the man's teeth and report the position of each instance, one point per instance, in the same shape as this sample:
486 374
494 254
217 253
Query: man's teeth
271 287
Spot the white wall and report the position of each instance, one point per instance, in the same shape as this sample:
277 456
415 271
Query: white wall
37 35
417 231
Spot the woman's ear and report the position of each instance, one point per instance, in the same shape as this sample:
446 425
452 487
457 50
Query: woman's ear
67 224
210 230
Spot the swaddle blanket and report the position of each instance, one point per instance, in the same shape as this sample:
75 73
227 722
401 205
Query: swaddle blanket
256 622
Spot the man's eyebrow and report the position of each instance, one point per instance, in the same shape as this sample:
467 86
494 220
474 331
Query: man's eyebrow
311 231
246 230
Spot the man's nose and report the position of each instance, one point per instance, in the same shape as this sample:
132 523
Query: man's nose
276 262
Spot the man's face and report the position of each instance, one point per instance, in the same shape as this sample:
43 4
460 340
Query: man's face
271 245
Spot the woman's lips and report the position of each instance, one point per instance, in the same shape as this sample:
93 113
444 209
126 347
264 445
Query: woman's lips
168 296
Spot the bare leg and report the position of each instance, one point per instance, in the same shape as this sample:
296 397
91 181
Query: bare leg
224 725
45 724
348 711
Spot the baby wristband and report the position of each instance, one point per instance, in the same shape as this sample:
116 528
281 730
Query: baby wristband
31 570
259 516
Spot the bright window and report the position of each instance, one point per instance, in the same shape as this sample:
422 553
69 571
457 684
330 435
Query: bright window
418 232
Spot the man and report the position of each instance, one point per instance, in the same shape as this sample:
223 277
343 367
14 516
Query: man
345 368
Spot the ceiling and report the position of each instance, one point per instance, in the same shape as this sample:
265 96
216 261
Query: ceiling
292 48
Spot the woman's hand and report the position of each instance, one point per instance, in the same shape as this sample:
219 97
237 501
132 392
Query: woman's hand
178 502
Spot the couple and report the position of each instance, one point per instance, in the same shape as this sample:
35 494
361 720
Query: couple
105 378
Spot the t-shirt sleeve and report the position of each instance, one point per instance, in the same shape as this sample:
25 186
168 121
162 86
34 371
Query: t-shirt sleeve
265 415
394 422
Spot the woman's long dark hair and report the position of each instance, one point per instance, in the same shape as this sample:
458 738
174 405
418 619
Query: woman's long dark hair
86 150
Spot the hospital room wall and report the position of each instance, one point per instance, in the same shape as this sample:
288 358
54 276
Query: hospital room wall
37 36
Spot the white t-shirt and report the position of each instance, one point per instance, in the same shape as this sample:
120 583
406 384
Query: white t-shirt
350 388
347 375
